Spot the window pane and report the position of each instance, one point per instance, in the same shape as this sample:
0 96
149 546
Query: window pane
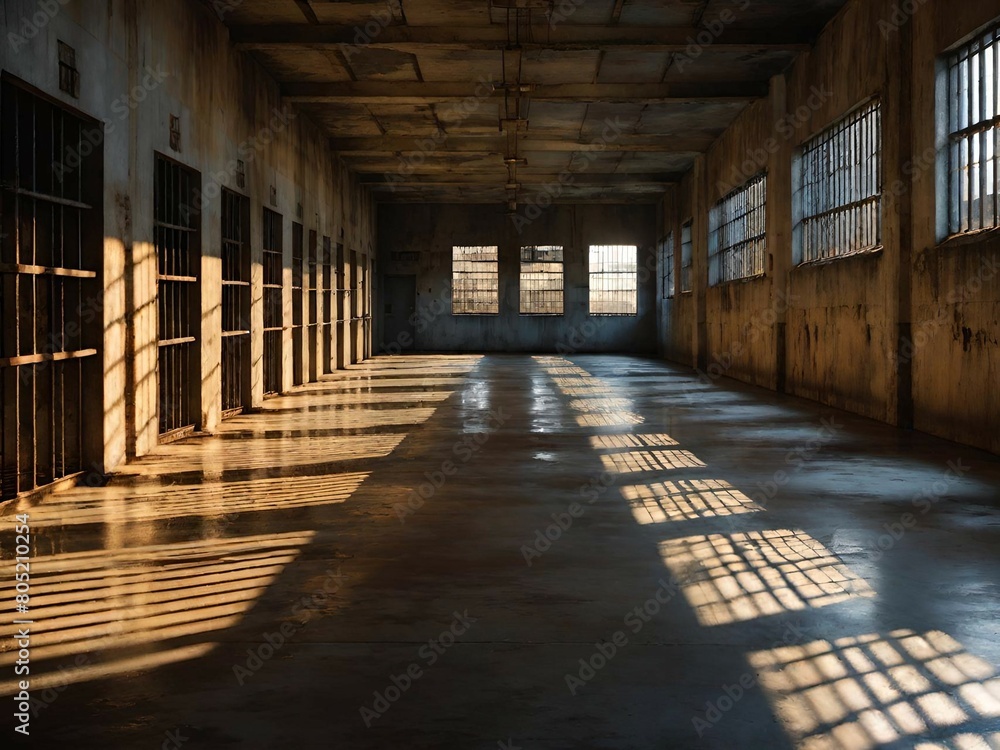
737 245
542 280
973 123
475 280
613 279
842 186
687 256
667 266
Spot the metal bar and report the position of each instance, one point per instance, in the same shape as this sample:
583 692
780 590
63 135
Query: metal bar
27 270
34 359
45 197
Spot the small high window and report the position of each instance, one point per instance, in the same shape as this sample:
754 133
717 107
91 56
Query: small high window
838 195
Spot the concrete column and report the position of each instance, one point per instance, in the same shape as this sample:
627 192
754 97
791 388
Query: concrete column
779 227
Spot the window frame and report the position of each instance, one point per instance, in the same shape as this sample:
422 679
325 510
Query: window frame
666 257
834 187
561 276
729 250
591 274
951 134
493 294
687 256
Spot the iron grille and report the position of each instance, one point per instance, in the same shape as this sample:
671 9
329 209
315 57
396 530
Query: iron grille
841 188
178 257
737 244
235 301
475 280
687 256
343 309
274 301
313 312
298 279
667 266
51 243
328 300
613 279
542 280
974 128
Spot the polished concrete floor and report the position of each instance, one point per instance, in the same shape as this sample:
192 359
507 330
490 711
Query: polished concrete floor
522 552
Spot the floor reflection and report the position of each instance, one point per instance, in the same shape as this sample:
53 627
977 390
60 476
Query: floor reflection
903 689
112 601
742 576
155 501
686 499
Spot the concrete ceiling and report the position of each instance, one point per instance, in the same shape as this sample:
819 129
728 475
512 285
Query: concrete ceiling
616 98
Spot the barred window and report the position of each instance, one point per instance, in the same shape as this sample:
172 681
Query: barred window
736 233
687 256
475 280
542 280
667 266
974 128
839 190
614 279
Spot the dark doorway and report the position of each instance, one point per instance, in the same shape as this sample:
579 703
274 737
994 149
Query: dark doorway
399 307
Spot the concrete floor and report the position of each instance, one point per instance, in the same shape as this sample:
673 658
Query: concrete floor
258 588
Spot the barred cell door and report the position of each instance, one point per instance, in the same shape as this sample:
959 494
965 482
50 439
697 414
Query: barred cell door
312 280
329 333
298 273
235 303
51 246
343 310
274 301
178 255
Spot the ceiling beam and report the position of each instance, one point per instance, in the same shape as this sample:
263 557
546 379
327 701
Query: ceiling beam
440 93
494 37
526 181
443 143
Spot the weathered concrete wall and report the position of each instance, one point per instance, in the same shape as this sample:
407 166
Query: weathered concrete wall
741 315
853 332
139 64
432 230
955 322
